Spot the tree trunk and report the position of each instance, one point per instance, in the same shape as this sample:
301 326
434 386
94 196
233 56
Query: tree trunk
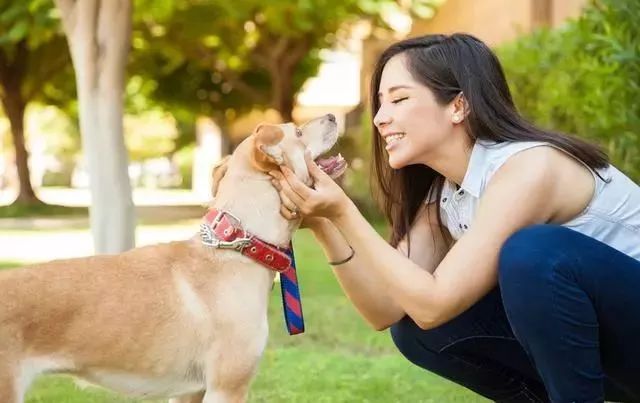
12 71
14 107
281 57
98 32
282 94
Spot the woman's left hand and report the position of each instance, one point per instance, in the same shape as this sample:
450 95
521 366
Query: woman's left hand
325 199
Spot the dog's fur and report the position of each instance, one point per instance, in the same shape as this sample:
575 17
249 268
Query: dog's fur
179 320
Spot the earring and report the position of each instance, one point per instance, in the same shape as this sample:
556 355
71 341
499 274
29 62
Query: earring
456 119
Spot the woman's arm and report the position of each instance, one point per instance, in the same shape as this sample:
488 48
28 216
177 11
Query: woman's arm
522 192
369 294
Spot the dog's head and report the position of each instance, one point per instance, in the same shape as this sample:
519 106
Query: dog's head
275 145
285 145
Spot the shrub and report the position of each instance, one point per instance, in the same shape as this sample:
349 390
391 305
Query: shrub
584 78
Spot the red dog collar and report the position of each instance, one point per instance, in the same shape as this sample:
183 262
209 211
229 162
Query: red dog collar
222 230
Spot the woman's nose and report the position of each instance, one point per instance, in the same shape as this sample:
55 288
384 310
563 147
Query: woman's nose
381 118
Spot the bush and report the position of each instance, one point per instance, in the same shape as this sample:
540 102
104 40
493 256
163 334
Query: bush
584 78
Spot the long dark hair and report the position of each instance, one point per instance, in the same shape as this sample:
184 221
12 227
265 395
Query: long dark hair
449 65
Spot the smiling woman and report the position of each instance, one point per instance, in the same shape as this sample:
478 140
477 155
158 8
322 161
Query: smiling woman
514 256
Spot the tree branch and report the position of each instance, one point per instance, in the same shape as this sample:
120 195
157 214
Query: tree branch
4 67
54 68
240 85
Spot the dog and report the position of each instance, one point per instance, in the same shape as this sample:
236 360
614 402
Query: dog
183 320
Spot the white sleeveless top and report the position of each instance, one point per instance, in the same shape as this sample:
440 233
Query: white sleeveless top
612 216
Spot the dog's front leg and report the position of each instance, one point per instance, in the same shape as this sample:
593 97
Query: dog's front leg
226 395
195 398
9 390
229 377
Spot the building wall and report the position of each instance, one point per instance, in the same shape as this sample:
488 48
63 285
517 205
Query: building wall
563 10
497 21
493 21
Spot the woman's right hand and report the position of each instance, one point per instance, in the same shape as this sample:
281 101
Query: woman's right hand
287 209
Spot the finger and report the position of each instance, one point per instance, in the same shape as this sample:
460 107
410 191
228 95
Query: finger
286 201
291 194
296 185
276 184
312 167
284 188
288 214
276 174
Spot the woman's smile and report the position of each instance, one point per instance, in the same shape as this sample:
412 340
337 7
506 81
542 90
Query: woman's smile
393 139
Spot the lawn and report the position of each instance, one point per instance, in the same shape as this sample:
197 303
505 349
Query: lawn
337 359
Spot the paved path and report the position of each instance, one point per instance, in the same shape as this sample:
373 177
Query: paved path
162 216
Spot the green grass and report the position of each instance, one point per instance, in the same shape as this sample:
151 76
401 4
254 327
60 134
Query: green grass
337 359
18 210
8 265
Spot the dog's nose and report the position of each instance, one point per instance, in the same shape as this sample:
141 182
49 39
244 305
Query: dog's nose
331 117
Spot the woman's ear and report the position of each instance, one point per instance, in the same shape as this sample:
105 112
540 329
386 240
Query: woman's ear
460 108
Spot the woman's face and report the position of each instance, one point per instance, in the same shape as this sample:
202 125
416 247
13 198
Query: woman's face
412 124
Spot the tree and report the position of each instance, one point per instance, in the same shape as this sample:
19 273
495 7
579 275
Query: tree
584 77
29 36
227 57
98 33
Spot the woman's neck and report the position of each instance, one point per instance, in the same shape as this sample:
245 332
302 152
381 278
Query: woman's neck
451 160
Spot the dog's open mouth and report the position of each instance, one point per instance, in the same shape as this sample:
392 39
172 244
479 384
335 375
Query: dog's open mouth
333 166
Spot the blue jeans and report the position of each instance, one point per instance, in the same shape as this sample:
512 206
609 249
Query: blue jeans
563 325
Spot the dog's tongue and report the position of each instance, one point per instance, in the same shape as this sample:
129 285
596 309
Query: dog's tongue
333 166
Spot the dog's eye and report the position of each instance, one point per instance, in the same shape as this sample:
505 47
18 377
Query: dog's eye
298 132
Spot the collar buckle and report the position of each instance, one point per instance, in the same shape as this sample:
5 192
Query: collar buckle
208 238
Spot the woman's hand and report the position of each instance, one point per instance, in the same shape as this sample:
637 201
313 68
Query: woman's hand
326 199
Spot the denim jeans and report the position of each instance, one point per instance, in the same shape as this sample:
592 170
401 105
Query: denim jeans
563 325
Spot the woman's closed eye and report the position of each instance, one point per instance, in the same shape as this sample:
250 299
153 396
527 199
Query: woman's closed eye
398 100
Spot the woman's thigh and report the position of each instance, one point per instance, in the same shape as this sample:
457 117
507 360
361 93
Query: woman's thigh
574 303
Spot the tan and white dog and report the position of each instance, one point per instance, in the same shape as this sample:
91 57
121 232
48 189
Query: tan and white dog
180 320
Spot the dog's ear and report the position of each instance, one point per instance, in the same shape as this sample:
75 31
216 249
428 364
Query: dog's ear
266 151
219 169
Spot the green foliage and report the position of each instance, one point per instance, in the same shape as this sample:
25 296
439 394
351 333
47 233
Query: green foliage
223 59
584 78
32 44
34 21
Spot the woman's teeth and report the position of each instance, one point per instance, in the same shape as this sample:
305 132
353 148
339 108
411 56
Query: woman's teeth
393 138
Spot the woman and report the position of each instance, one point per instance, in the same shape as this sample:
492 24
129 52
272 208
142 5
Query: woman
514 262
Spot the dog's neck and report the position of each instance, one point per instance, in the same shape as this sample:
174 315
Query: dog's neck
249 195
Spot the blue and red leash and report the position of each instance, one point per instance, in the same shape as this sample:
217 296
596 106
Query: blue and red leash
291 302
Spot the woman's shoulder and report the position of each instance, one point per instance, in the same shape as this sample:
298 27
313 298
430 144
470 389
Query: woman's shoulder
488 157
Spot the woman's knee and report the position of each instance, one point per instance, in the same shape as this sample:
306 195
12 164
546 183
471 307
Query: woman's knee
529 254
404 334
414 343
528 268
